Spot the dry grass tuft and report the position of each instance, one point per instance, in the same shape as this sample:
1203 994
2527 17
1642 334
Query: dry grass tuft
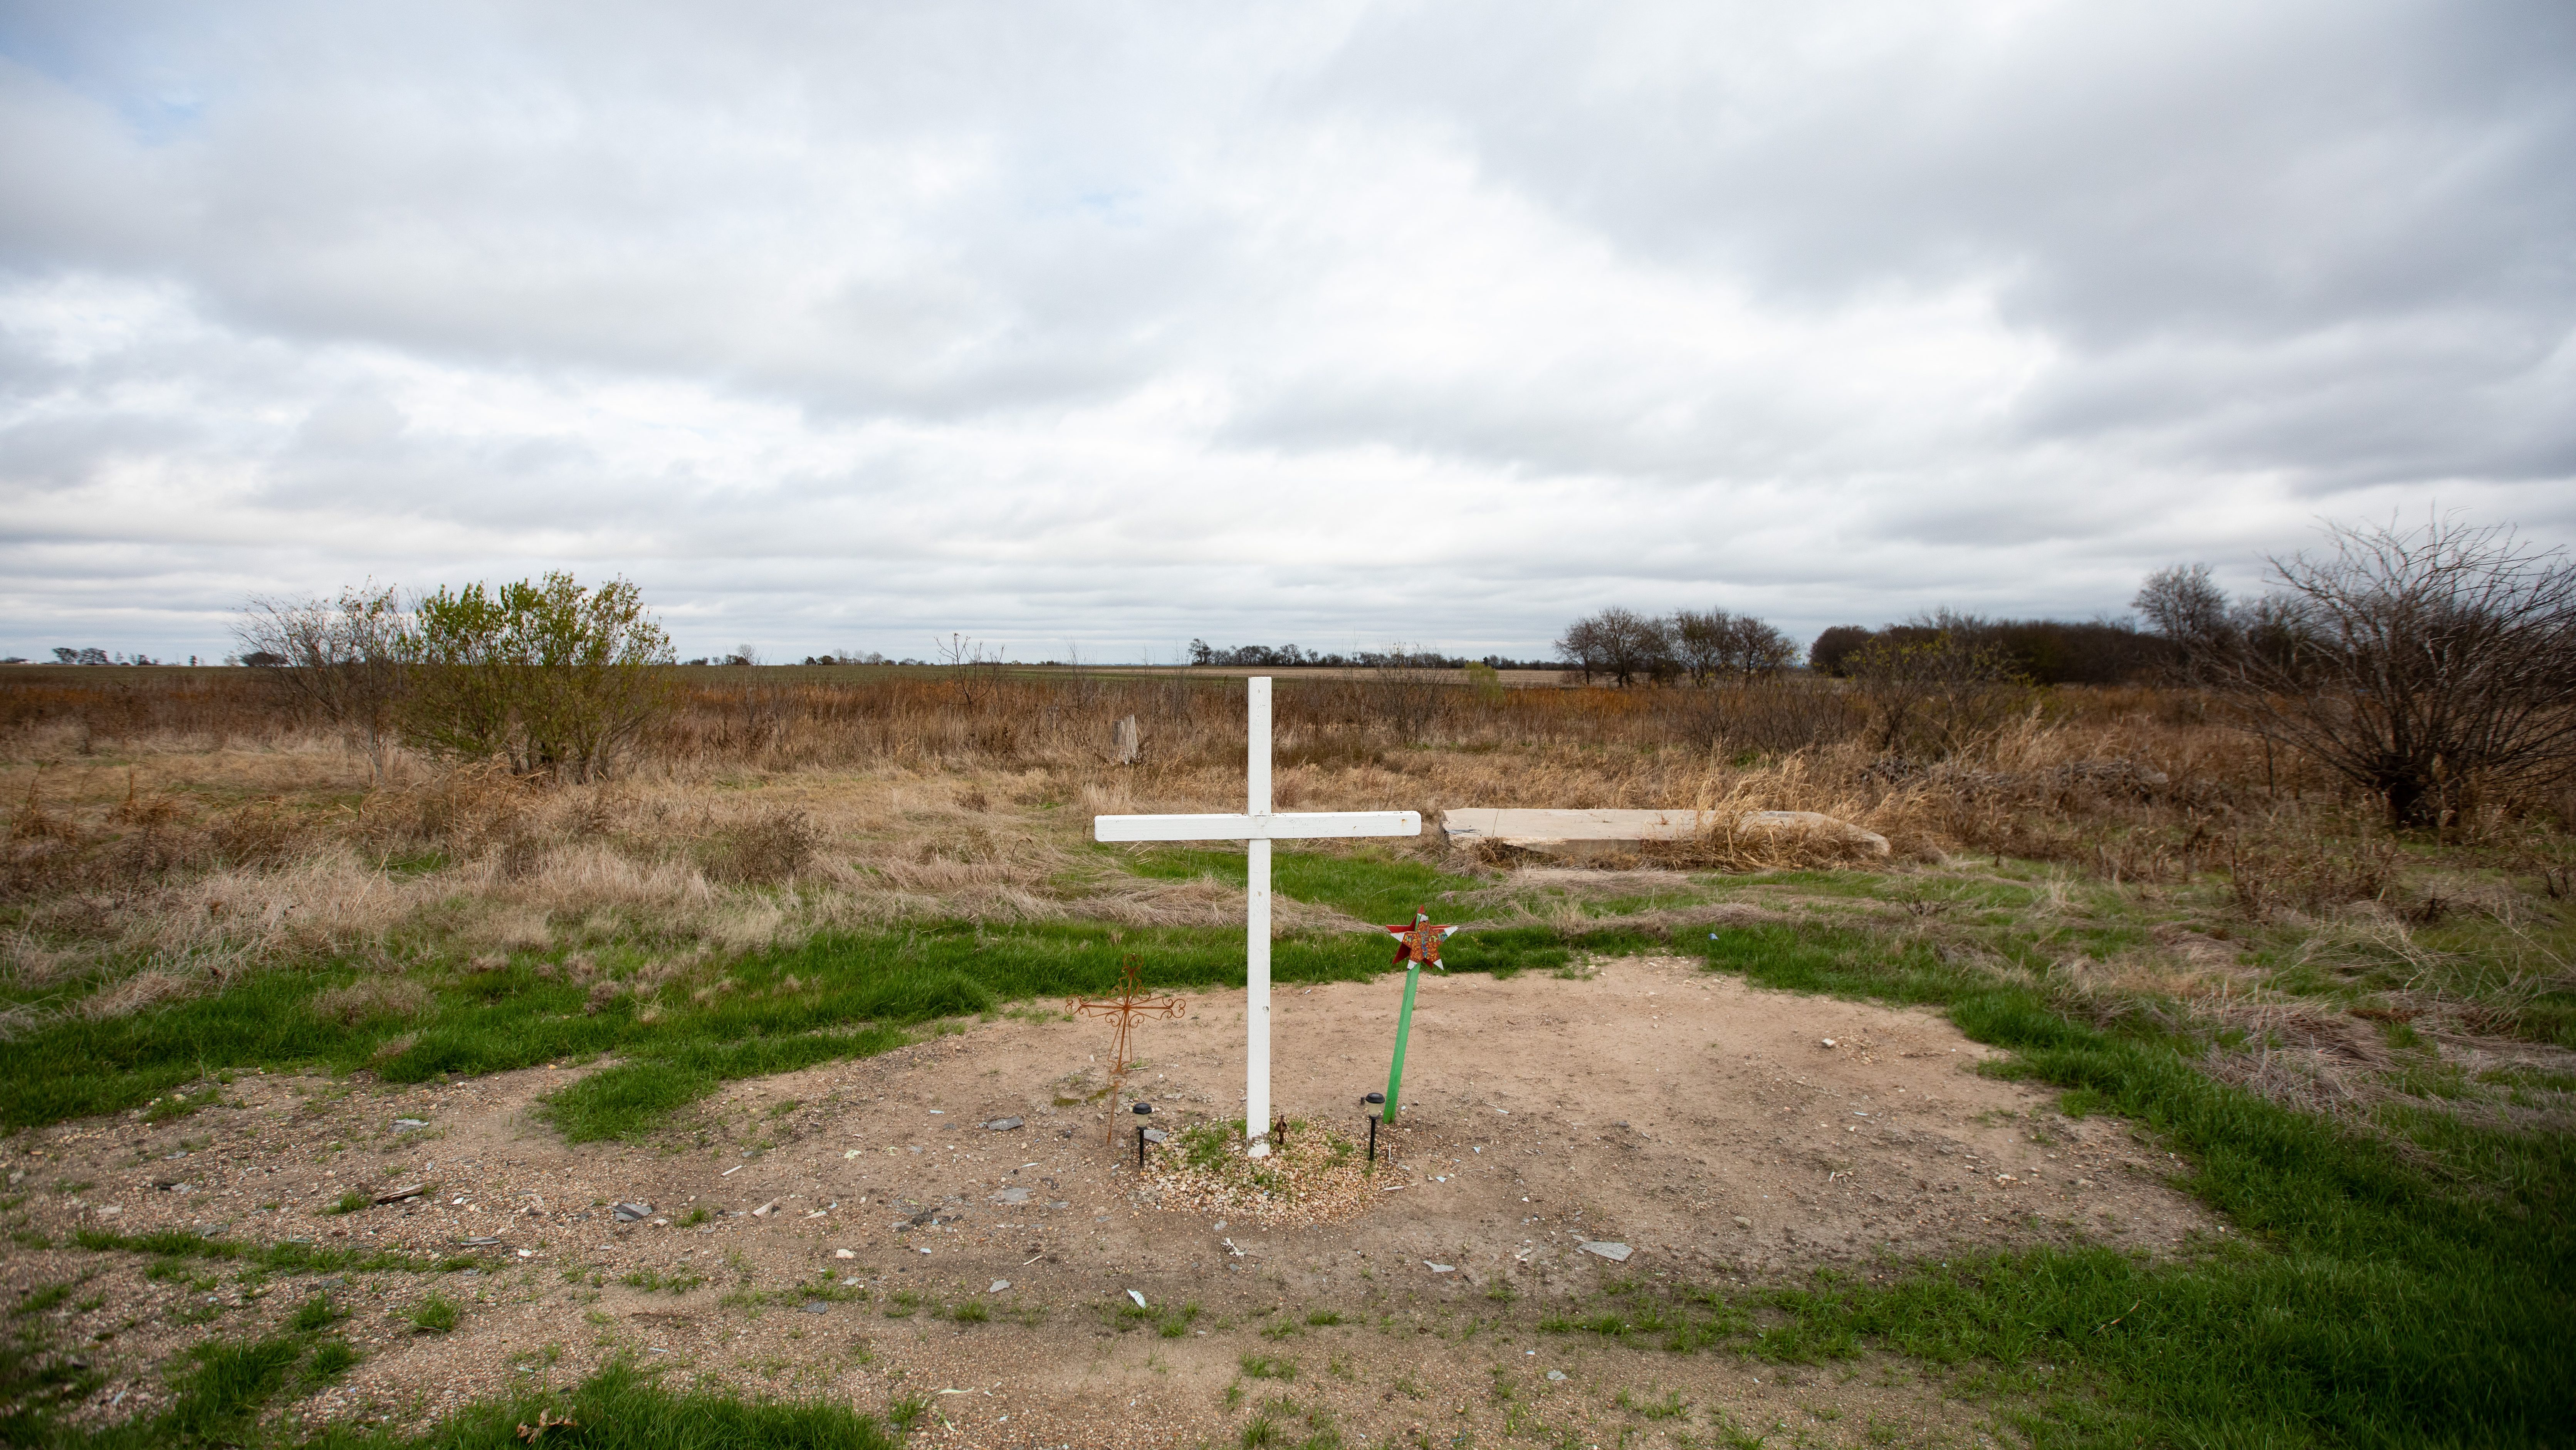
373 999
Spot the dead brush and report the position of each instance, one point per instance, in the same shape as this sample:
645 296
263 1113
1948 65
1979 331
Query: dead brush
470 811
260 834
767 850
372 999
1830 787
2312 872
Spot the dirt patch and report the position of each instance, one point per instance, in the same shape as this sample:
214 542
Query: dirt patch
858 1230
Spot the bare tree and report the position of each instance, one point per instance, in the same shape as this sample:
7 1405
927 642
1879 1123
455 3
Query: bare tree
1709 643
2184 604
343 658
1754 648
1582 647
2423 664
1632 644
1700 641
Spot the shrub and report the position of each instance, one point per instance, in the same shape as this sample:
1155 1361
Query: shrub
549 675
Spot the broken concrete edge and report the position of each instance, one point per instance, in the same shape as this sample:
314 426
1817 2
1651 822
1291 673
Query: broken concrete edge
1575 834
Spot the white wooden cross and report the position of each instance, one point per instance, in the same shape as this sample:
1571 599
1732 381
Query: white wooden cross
1257 827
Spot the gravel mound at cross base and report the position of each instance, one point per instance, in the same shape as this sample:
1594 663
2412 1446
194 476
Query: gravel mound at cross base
1703 1124
1315 1176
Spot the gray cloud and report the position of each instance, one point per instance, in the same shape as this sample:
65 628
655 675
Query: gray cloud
840 325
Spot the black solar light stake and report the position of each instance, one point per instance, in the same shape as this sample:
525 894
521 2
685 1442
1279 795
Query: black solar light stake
1142 1110
1373 1100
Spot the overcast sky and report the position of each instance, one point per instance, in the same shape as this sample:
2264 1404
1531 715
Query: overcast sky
1107 325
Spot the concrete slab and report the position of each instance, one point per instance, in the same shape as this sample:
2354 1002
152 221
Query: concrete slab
1573 835
1579 835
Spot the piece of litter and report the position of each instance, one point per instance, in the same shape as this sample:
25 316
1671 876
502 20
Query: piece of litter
1556 1374
843 1254
853 1153
766 1209
408 1125
1829 1042
1615 1253
1439 1268
393 1195
476 1243
728 1173
998 1286
817 1306
1003 1125
1139 1298
632 1212
1742 1222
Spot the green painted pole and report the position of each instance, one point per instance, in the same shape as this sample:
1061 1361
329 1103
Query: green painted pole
1403 1030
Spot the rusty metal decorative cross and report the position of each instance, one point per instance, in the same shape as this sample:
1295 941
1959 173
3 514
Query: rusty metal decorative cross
1125 1008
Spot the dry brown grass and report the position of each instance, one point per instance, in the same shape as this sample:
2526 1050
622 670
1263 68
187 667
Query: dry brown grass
186 824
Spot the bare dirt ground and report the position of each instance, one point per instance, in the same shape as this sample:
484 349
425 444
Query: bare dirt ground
855 1231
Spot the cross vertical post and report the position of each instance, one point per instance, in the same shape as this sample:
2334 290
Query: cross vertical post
1256 922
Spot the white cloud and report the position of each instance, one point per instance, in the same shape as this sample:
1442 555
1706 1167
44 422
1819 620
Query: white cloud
1330 323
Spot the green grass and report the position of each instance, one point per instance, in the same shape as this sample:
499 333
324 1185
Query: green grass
434 1314
2375 1298
654 1282
176 1244
228 1384
37 1301
1366 882
857 993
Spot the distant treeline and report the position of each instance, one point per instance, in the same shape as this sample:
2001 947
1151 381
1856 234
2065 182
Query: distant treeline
1289 656
2042 651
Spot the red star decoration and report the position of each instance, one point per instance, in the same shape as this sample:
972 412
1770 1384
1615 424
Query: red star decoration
1419 941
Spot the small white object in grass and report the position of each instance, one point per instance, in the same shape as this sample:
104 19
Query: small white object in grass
728 1173
1139 1298
925 1251
843 1254
853 1153
1439 1268
1829 1042
1556 1374
998 1286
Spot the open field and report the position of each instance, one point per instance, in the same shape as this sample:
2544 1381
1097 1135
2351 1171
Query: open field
2199 1109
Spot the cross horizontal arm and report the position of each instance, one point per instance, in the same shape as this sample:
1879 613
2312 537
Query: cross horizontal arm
1287 825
